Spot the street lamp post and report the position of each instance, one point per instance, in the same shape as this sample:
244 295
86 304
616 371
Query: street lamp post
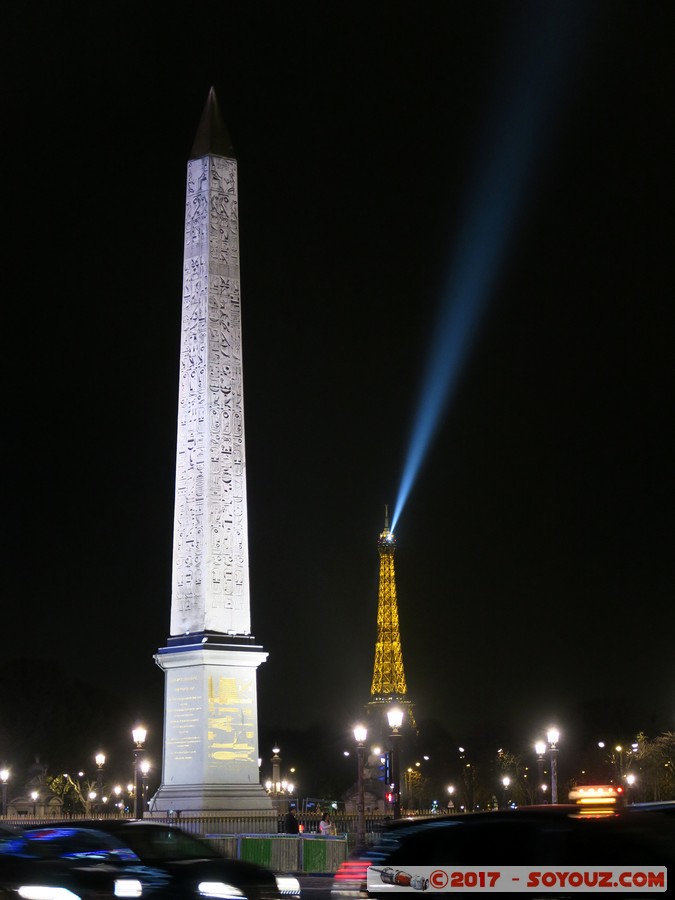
34 797
360 735
276 772
553 736
4 778
139 735
395 718
630 781
540 750
506 781
100 762
145 768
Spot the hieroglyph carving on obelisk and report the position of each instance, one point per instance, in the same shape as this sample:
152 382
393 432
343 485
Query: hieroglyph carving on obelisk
210 547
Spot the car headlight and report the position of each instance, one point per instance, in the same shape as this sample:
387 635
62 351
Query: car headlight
128 887
41 892
287 884
220 890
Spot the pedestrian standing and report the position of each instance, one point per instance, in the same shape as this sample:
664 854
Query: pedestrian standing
291 824
325 825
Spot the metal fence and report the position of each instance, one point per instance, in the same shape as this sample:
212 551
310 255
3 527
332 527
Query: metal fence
343 823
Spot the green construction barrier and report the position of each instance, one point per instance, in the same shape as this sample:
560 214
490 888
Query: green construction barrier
297 853
257 850
315 856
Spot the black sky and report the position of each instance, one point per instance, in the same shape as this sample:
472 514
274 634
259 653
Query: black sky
535 553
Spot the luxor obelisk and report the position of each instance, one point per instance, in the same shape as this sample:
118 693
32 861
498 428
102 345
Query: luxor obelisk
210 752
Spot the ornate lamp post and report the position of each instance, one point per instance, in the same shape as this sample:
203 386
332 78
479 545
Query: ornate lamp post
553 736
139 735
4 778
34 797
506 781
145 768
540 750
630 781
276 772
360 735
395 717
100 762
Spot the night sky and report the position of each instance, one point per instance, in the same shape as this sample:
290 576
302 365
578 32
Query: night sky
387 153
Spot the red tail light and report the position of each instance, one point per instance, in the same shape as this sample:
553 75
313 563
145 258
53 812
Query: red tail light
353 870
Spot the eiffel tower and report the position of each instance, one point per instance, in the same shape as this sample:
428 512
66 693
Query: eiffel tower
388 687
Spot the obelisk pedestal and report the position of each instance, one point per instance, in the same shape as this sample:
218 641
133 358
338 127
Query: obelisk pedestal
210 727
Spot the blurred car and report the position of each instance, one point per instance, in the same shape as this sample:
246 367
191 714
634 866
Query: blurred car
67 864
666 807
559 835
191 867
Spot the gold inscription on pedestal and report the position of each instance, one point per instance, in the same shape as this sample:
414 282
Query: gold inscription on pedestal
231 722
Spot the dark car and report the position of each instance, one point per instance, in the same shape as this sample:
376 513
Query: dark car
190 866
542 838
67 864
666 807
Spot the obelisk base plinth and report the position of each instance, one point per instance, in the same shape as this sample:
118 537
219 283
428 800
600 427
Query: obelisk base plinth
210 759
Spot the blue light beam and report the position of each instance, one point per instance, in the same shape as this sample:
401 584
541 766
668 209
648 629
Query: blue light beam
520 126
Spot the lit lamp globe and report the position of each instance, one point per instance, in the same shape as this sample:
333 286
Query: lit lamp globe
553 736
540 748
395 718
360 734
100 759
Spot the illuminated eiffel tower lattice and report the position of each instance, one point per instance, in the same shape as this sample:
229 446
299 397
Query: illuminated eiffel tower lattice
388 687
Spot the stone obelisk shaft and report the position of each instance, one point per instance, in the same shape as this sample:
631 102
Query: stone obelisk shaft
210 549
